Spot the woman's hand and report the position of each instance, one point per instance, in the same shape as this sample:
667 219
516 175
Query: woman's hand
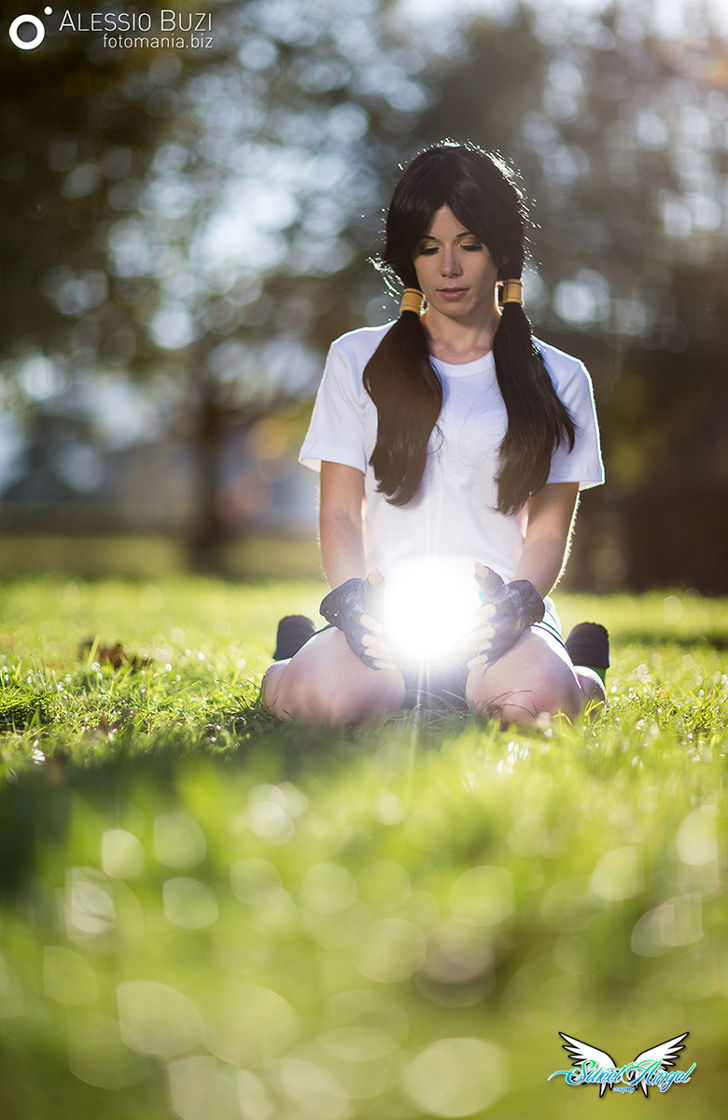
352 607
508 610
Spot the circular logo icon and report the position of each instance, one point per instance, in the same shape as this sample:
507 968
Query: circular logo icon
27 44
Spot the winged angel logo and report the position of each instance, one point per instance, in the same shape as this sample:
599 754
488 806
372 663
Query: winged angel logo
650 1068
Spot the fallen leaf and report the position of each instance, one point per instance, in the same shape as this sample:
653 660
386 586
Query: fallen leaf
115 655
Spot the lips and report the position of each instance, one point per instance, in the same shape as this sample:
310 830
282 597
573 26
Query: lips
452 293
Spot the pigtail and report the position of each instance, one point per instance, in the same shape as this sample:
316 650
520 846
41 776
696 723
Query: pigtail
537 420
401 381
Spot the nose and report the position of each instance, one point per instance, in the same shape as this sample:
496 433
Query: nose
450 265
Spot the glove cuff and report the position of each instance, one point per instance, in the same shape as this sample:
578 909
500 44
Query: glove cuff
533 605
333 605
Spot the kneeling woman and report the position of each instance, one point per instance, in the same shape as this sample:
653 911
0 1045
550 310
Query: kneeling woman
452 447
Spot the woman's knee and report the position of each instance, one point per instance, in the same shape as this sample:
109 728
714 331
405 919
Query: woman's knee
290 692
336 691
271 683
546 687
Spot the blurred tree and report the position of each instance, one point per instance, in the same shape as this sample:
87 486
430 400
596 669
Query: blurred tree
620 134
79 130
202 218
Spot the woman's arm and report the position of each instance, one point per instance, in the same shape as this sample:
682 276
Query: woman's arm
340 522
548 534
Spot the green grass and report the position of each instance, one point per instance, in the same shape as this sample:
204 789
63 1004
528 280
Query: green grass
205 914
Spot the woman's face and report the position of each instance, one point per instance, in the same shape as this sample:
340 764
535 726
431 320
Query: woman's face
455 270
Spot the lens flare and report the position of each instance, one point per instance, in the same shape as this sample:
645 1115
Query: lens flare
427 611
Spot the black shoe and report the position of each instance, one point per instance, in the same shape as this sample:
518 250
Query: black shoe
293 632
588 645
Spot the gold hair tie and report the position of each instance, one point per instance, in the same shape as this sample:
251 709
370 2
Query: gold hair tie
511 291
412 300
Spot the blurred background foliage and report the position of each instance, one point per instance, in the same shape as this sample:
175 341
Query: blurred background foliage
185 231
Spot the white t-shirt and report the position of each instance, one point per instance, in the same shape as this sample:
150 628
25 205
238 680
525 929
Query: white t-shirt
453 516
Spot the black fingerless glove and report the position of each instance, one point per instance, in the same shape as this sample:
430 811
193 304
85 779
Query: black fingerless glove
343 608
518 605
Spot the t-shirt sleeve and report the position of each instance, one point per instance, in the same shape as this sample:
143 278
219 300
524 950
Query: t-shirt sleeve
584 463
336 431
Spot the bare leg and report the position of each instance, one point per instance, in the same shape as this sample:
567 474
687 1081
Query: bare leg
534 678
591 685
325 683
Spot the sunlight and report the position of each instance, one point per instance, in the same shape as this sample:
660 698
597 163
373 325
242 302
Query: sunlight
428 609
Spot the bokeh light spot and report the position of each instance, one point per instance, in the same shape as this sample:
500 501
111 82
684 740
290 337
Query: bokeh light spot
122 855
328 888
618 874
178 840
189 903
484 895
391 950
456 1077
697 841
158 1020
67 977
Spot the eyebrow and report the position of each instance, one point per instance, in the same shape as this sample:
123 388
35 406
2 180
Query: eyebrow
465 233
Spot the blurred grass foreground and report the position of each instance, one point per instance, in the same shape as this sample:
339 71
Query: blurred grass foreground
209 916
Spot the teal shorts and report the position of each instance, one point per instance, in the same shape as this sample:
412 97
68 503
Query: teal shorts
550 622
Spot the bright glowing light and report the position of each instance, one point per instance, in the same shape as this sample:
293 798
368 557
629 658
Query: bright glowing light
428 609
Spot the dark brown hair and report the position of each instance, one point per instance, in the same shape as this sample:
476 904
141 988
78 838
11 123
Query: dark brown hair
483 194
